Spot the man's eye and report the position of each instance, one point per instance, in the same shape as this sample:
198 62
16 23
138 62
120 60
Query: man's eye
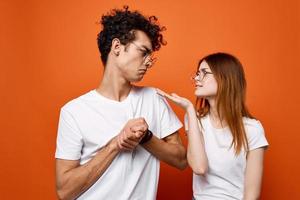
145 53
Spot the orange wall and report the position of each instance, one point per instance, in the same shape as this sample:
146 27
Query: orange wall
49 56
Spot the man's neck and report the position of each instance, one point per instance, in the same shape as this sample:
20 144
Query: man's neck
114 86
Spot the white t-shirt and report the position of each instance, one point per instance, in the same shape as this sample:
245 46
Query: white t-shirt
87 123
226 171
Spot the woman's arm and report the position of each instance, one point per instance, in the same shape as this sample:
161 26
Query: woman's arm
253 175
196 154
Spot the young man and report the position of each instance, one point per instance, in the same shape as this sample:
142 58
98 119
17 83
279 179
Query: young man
110 140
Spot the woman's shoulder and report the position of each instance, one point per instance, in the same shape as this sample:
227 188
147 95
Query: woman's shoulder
252 123
255 133
253 127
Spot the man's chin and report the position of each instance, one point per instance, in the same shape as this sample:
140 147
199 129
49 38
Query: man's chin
137 79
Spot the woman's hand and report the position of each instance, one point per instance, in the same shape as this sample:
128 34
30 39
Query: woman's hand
181 101
196 155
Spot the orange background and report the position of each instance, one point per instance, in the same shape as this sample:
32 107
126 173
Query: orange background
49 56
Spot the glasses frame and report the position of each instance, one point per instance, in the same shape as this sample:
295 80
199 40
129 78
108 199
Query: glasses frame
148 58
197 75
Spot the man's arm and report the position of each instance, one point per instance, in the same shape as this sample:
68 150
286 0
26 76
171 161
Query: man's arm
72 179
253 176
168 149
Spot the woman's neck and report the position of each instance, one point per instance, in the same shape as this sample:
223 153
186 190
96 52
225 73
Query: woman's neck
216 118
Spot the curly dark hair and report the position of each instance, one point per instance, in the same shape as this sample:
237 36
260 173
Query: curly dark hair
119 23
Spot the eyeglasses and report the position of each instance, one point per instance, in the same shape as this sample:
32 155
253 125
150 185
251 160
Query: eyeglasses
200 75
148 55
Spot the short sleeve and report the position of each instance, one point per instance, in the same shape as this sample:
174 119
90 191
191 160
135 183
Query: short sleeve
169 123
256 135
69 140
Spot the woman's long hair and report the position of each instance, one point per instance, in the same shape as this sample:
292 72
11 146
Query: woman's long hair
230 97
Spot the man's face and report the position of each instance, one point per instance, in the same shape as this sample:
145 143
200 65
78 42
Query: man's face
135 58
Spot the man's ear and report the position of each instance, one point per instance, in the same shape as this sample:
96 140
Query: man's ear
116 46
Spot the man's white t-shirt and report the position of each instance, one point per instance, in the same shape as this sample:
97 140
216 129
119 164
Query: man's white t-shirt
87 123
226 171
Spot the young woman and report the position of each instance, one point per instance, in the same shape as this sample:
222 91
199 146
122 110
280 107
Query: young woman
225 143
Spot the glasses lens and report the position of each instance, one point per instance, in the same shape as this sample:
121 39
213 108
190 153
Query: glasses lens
150 59
193 77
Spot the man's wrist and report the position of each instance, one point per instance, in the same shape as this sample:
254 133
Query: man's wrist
113 145
146 137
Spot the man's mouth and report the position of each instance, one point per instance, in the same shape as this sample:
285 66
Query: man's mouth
142 71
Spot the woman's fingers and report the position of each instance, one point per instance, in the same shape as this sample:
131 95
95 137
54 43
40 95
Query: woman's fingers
177 99
164 94
181 101
160 92
176 95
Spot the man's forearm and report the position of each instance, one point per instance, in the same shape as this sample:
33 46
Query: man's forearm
173 154
78 179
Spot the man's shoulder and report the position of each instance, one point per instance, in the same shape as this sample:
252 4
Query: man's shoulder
144 90
150 96
77 102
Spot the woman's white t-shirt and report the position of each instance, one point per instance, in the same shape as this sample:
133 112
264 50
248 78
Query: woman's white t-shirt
226 171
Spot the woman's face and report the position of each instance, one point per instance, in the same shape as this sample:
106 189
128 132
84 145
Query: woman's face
205 82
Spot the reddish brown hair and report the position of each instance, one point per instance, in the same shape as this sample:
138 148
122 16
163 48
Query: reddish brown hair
230 98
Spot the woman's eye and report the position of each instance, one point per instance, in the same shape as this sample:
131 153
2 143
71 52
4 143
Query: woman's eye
204 72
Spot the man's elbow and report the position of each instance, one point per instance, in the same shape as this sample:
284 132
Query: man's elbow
62 194
182 164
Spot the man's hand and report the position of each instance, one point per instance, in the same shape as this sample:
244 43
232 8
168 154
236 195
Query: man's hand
132 133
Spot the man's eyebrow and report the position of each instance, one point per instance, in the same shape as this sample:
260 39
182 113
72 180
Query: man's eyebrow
147 49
